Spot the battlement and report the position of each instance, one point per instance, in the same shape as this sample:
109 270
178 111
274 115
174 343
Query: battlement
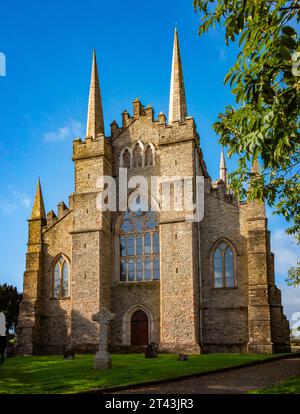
51 218
177 130
62 211
218 189
91 147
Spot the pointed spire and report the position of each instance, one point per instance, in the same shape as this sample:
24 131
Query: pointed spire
177 103
223 169
95 122
38 210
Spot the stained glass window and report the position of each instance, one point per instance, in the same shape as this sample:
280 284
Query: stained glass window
156 268
61 279
229 268
139 247
218 269
224 266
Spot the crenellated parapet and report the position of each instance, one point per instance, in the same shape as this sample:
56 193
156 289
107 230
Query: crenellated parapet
176 131
143 128
51 218
91 147
145 115
62 211
219 189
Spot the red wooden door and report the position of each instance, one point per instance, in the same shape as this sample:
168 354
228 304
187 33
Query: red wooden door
139 328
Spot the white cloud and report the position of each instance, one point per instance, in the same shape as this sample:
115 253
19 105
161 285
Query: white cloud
22 198
286 250
69 131
25 200
15 201
290 300
7 207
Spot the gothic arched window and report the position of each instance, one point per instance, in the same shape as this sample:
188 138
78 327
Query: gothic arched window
224 266
61 278
149 157
126 158
139 247
137 156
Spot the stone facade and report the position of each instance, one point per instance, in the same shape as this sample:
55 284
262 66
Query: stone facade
185 311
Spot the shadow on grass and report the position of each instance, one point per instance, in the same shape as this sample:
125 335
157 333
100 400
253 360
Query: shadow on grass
53 374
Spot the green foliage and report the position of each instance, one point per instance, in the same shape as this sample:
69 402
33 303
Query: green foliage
265 80
287 386
294 276
54 375
10 299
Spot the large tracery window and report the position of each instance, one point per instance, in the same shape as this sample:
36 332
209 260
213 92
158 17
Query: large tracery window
139 247
224 266
60 278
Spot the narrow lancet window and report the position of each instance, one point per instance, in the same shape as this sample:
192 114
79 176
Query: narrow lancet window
61 278
224 266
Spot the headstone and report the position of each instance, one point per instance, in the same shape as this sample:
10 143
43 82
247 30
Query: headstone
183 357
151 350
69 352
2 324
3 342
103 358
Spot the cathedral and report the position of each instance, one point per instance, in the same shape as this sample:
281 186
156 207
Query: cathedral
190 286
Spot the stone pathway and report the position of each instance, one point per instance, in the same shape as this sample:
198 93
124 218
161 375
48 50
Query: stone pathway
237 381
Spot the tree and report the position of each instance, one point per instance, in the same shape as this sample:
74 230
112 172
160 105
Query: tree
10 299
293 278
265 80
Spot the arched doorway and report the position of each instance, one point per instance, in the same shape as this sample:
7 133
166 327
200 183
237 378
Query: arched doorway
139 328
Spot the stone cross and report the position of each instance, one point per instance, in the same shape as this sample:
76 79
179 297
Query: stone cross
103 358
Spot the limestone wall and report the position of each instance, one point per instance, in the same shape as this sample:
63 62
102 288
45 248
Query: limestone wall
56 313
124 297
184 309
224 310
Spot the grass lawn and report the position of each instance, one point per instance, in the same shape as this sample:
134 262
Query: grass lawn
53 374
287 386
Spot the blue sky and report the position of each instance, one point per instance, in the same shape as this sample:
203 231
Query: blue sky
43 99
